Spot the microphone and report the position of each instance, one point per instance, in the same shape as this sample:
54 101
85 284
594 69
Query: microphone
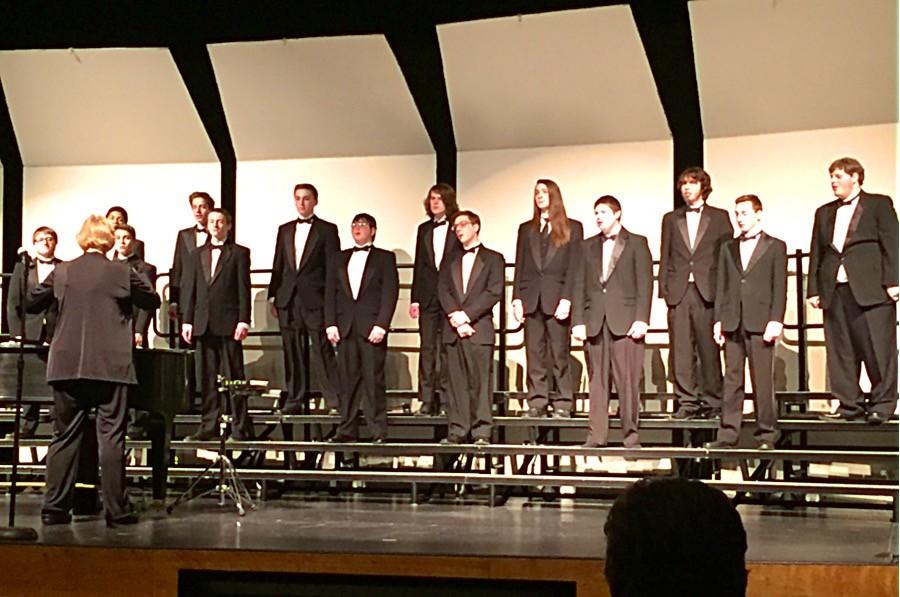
23 256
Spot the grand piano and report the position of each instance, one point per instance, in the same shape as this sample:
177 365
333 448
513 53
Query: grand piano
165 388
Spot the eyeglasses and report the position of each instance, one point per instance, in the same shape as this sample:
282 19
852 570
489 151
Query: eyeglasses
359 225
44 239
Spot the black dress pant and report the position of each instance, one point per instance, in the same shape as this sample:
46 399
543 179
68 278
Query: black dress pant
296 325
742 346
691 339
547 343
855 335
73 400
361 365
619 359
433 383
469 414
221 355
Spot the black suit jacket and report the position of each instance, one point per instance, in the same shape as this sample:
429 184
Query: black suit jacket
625 296
142 317
754 296
548 280
869 255
93 337
485 290
425 274
377 298
38 326
215 302
185 244
677 261
306 279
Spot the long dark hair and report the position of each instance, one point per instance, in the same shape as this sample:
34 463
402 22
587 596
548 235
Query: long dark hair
559 221
448 196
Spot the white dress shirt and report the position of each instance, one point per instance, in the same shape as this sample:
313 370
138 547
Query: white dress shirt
468 261
300 235
841 228
607 251
201 235
43 269
214 256
355 269
747 243
546 225
439 240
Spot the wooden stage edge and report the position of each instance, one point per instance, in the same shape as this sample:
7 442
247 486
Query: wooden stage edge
55 570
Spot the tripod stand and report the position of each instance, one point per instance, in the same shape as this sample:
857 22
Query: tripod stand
228 483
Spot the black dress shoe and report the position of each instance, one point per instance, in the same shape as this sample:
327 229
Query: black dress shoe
333 412
481 442
450 441
684 414
876 418
122 520
51 517
842 416
718 445
535 413
426 410
562 414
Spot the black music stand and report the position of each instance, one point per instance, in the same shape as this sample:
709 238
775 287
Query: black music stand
12 533
228 483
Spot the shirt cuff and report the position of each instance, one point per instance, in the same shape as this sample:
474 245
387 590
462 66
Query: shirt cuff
330 329
379 328
187 327
244 325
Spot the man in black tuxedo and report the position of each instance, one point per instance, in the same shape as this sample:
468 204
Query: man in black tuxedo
360 298
303 251
612 313
90 365
436 245
141 318
691 238
469 287
216 310
186 242
853 279
547 259
38 326
751 296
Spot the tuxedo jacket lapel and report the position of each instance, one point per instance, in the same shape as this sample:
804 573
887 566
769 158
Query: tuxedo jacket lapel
681 222
310 243
225 255
762 245
735 249
534 242
289 247
701 227
429 244
551 251
456 274
206 263
368 271
830 217
345 276
618 247
854 219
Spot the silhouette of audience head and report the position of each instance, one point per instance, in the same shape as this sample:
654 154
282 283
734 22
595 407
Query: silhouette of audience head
675 537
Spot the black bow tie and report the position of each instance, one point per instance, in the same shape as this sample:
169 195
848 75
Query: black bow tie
304 220
693 210
472 250
200 230
745 237
610 237
436 224
366 248
44 261
215 247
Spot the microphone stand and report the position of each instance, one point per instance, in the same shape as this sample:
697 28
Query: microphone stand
12 533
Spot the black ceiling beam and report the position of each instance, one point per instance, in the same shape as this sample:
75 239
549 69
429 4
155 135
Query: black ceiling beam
418 54
13 187
665 30
195 66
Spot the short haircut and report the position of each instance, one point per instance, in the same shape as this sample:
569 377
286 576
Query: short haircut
127 228
210 202
696 174
473 217
45 230
676 537
305 186
364 217
448 196
96 233
757 204
849 165
119 209
224 212
610 201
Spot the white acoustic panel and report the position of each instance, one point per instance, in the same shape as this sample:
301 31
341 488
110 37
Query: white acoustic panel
116 106
325 97
565 78
767 66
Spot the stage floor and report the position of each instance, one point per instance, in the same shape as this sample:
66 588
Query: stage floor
522 529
